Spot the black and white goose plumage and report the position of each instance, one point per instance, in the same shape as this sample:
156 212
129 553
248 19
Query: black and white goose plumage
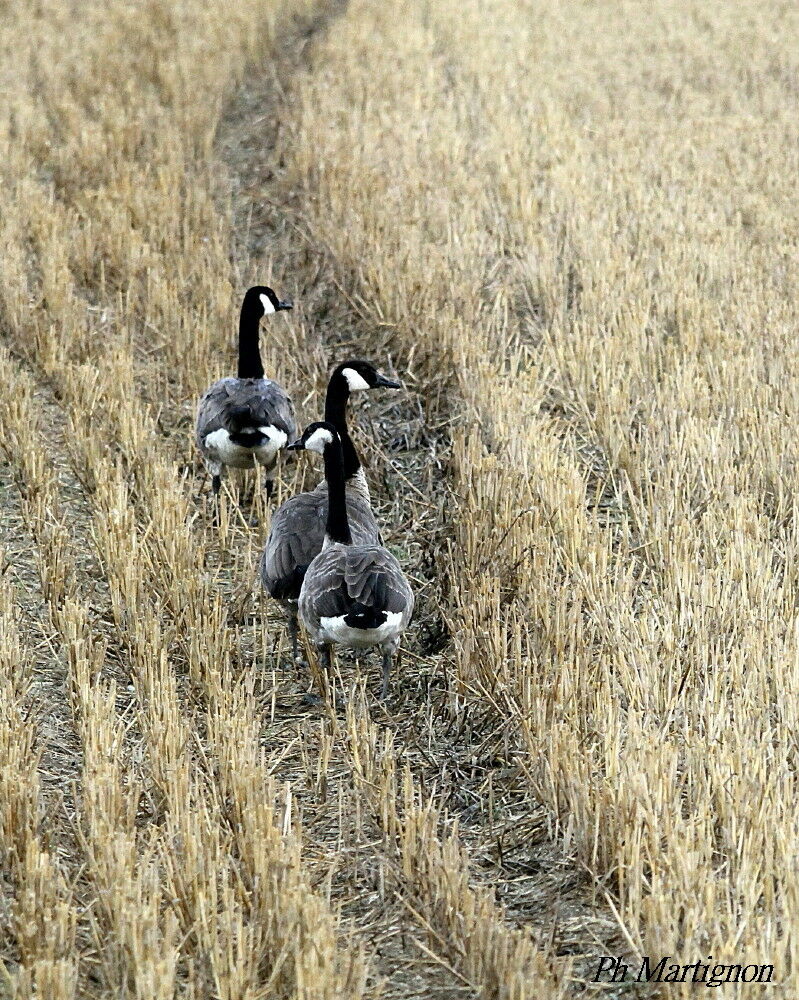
246 420
353 595
297 531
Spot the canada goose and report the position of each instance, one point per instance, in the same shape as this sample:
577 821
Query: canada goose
249 418
353 594
297 532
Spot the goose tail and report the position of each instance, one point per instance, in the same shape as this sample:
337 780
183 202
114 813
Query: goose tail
362 616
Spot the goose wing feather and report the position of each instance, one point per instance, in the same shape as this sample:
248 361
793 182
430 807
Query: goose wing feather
343 575
268 402
297 534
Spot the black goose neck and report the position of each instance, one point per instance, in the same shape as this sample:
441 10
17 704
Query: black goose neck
338 394
338 525
249 352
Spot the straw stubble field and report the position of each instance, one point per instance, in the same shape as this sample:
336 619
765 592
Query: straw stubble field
566 226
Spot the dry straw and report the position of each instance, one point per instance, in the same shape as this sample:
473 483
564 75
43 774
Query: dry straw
567 226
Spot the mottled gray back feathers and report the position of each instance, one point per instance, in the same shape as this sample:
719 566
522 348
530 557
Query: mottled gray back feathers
342 576
266 400
298 533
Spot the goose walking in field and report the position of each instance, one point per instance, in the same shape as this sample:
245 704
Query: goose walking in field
297 532
353 595
247 419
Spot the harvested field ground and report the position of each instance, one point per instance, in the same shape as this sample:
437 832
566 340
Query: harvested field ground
569 230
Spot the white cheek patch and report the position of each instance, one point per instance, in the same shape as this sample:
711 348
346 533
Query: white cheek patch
266 302
356 382
317 441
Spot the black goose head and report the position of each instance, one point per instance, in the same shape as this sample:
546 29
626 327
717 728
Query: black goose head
260 300
316 437
358 375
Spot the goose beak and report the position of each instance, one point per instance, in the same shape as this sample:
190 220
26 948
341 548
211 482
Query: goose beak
296 445
285 304
387 383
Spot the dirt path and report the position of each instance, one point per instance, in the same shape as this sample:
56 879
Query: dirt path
460 754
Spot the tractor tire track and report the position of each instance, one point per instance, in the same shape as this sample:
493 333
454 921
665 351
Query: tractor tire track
463 757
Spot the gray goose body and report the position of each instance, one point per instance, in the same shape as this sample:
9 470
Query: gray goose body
256 418
355 596
297 535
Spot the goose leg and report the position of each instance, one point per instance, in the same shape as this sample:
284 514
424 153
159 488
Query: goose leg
253 519
323 656
324 659
214 470
295 651
216 486
325 662
387 658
